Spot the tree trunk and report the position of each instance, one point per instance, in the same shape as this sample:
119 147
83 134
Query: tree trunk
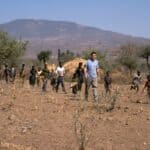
147 61
44 61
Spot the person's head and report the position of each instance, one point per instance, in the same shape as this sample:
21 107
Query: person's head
148 77
93 55
12 65
33 67
6 66
23 65
60 64
39 68
80 64
52 70
138 73
107 73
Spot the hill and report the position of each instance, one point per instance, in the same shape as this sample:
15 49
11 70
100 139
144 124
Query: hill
44 34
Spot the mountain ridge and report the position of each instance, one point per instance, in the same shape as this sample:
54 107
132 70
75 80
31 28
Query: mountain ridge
48 34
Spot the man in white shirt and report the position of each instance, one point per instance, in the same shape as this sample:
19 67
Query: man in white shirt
60 71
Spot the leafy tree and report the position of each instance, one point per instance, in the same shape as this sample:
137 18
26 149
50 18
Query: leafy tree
10 49
128 57
129 49
44 56
145 54
129 62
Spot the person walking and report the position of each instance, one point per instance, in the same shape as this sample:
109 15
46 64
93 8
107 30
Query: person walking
6 73
45 75
136 81
22 74
60 71
107 82
38 76
53 80
147 86
91 74
78 78
32 78
13 73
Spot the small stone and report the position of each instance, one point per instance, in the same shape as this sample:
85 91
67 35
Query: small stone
135 113
138 101
141 109
24 130
11 117
110 118
118 107
14 97
148 118
126 123
35 108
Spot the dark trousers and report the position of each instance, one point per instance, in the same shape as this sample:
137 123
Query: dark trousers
60 80
6 78
44 87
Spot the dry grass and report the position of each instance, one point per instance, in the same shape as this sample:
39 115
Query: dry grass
33 120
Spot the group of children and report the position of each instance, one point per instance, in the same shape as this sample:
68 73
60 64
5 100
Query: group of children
137 81
36 76
57 78
79 78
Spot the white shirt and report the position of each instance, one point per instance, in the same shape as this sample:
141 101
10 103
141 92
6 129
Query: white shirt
60 71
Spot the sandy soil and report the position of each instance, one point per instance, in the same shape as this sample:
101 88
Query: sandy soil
33 120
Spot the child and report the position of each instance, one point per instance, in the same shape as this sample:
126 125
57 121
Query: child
53 79
147 85
107 82
45 76
6 73
136 81
77 79
38 76
13 73
32 78
74 84
22 74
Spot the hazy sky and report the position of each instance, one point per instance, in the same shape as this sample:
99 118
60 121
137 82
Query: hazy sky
124 16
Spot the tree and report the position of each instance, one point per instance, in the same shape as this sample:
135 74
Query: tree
128 57
44 56
58 55
129 62
10 49
145 54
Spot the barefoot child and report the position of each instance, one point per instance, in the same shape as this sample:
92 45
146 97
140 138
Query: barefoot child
107 82
136 81
77 79
147 85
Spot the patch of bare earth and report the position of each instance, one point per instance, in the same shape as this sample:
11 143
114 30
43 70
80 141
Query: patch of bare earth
33 120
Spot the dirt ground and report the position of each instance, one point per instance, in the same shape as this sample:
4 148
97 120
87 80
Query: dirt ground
33 120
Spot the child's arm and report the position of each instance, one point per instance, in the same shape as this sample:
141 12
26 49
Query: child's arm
110 81
144 87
